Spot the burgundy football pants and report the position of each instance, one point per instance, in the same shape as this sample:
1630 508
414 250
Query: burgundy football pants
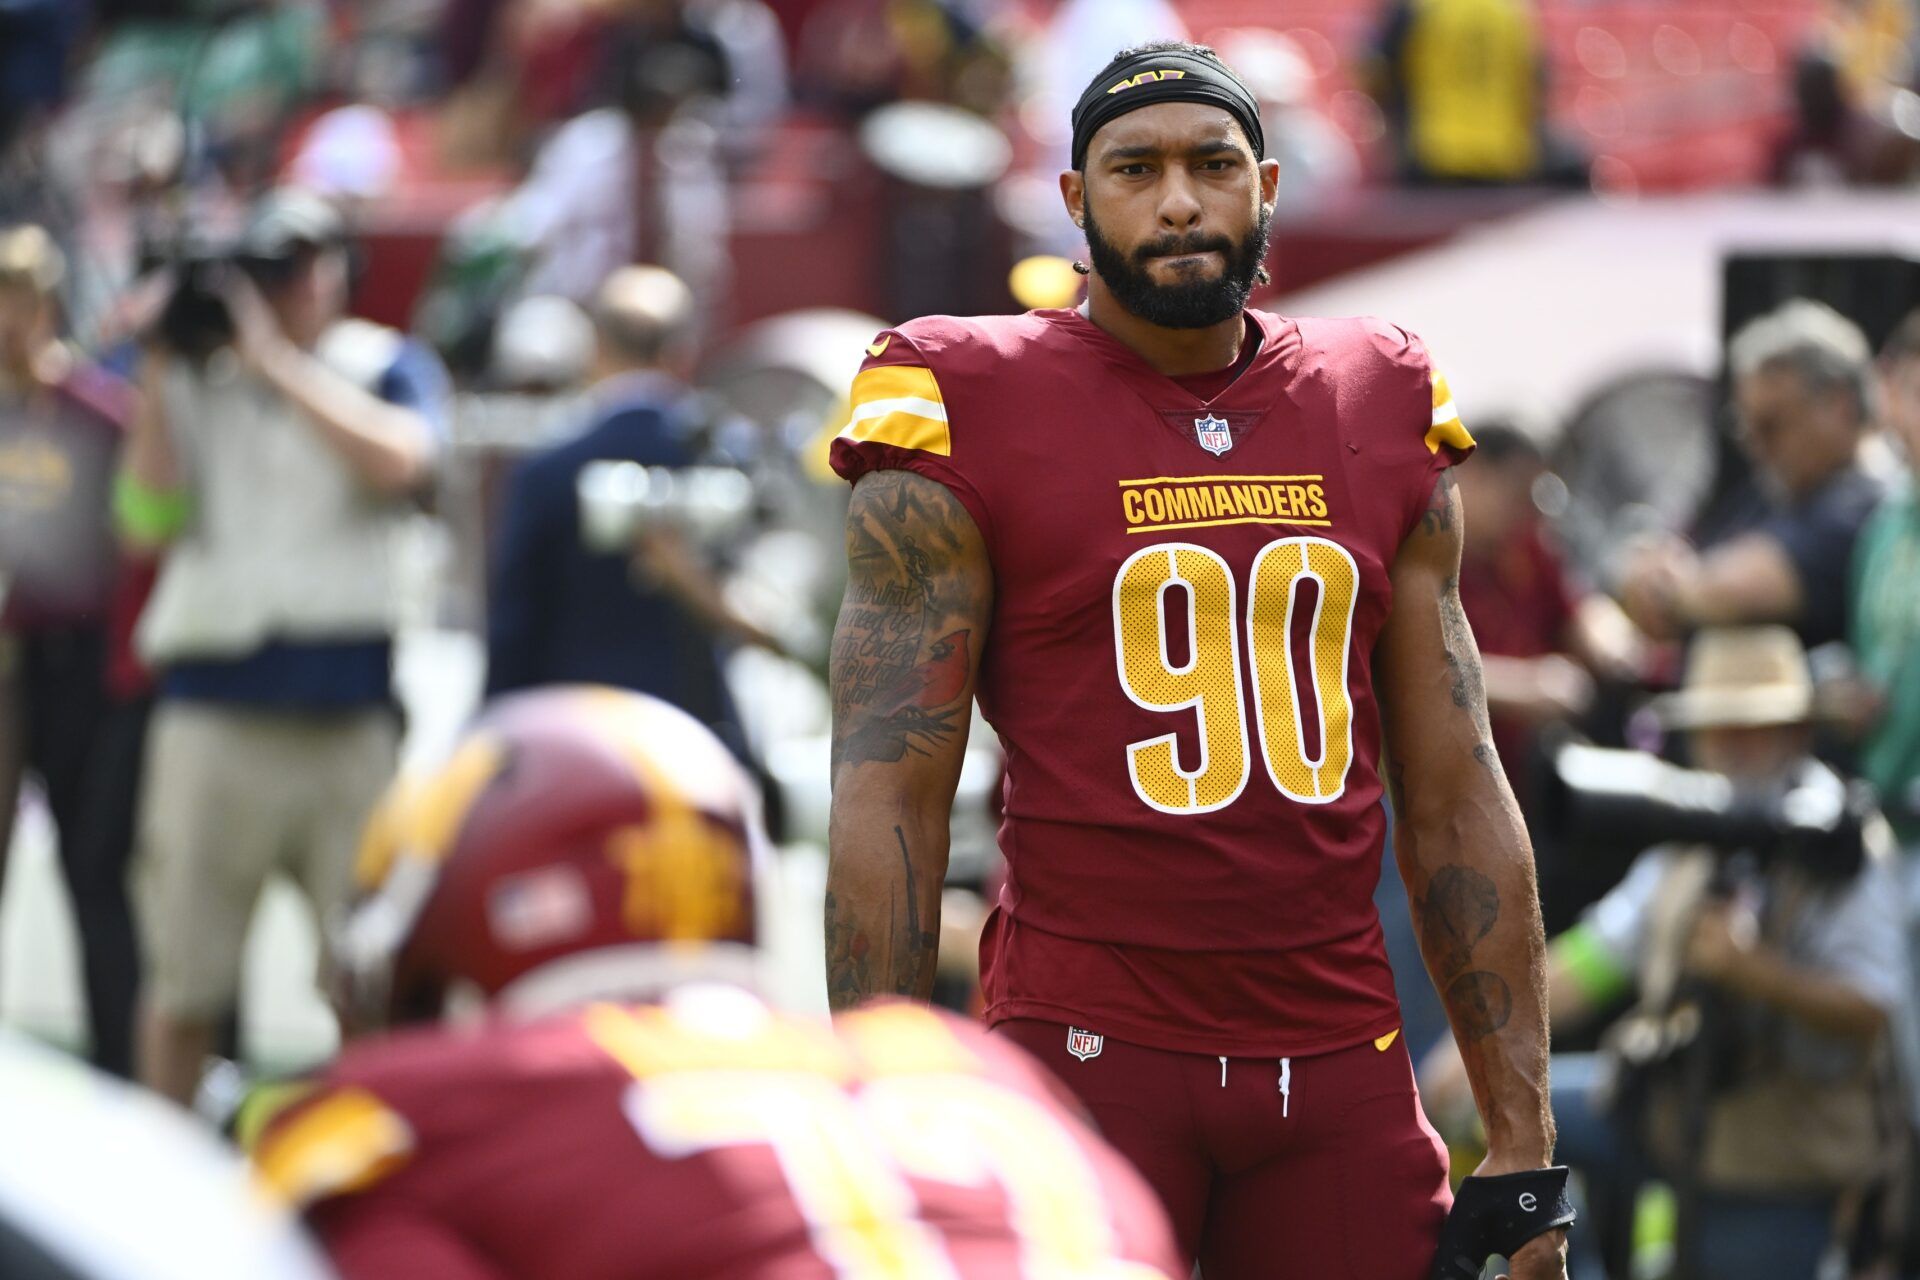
1338 1178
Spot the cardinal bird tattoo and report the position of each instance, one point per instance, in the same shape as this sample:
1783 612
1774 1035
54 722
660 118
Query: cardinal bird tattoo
917 709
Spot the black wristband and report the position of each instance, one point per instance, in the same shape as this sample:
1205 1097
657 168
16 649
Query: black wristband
1497 1215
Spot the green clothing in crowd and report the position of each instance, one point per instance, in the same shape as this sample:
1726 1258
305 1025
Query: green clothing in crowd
1886 644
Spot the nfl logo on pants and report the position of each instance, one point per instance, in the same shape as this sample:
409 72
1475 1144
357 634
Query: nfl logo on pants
1084 1044
1213 434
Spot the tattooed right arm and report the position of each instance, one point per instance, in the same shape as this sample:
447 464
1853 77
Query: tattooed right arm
906 651
1460 841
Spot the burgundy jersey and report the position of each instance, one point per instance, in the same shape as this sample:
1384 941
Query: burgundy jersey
1186 598
708 1137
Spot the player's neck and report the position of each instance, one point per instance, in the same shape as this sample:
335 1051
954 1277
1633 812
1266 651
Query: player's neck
1177 353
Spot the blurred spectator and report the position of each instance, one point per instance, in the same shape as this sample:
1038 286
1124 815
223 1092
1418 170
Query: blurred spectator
561 610
35 39
1542 639
235 70
351 155
1802 392
277 467
1885 630
669 92
79 698
1080 38
1316 158
1767 1100
1460 82
854 55
537 62
1830 142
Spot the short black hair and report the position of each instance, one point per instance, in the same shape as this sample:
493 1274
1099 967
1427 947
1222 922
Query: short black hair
1162 46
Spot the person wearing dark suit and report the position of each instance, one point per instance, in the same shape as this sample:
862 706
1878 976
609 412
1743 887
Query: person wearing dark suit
561 611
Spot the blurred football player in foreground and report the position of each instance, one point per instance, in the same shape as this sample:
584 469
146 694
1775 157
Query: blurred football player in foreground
582 850
100 1181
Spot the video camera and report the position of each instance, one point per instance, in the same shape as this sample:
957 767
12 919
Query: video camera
619 499
196 321
285 228
1614 803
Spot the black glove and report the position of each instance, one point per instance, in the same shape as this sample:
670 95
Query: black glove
1496 1216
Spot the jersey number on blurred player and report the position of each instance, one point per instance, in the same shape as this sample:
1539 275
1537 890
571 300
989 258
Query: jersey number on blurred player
1299 624
847 1157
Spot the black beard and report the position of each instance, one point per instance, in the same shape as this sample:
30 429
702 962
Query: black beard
1190 304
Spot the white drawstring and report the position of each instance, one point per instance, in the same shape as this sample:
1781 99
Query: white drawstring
1223 1071
1286 1082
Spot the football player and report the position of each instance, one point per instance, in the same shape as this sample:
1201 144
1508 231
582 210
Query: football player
1198 562
586 850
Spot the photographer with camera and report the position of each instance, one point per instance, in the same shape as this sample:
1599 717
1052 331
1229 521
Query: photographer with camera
278 449
1761 940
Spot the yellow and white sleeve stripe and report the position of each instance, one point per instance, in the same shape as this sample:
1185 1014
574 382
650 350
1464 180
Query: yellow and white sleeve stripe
343 1143
899 405
1446 427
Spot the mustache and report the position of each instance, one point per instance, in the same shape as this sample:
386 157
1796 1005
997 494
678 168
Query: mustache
1172 246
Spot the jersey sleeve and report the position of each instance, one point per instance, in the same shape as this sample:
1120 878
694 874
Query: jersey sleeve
330 1140
1417 424
898 420
1447 437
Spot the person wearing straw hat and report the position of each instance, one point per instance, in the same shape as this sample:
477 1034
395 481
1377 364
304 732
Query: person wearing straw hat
1812 973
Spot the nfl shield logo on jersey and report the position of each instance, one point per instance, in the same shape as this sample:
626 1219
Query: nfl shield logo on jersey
1084 1044
1213 434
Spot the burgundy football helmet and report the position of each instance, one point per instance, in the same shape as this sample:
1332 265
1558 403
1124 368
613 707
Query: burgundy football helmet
578 843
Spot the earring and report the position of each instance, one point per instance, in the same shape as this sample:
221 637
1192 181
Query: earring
1082 267
1262 276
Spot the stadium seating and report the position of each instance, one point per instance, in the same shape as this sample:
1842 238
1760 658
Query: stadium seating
1665 96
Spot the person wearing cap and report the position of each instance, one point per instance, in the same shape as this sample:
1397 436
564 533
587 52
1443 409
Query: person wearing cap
277 471
73 697
1814 969
1200 564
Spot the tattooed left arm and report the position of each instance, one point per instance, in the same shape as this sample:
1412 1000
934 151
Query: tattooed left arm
1461 845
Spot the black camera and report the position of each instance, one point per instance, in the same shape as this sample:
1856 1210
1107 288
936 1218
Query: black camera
1612 804
284 230
196 321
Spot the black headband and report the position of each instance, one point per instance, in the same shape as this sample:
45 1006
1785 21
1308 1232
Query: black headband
1174 76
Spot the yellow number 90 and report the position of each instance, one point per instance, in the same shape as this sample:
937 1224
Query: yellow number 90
1209 680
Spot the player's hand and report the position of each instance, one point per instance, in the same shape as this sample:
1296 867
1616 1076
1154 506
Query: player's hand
1541 1258
1497 1206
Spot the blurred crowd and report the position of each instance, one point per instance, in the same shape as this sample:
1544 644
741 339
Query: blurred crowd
1730 974
322 324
